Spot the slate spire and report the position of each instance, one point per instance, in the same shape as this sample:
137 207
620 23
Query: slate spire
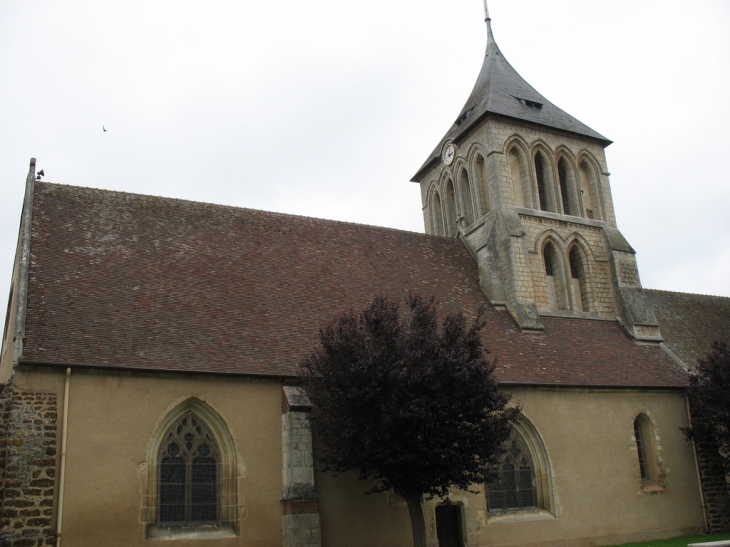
501 91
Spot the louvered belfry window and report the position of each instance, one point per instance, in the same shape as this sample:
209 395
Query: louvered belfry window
514 484
189 482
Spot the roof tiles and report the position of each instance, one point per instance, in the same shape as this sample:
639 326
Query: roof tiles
124 280
690 322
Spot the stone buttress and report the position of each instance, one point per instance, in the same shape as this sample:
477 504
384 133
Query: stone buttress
299 500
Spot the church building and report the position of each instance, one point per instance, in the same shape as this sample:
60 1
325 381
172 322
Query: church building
151 346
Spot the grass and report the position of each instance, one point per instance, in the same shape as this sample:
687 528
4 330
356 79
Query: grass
680 541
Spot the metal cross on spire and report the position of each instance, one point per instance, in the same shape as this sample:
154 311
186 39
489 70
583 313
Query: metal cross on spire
488 20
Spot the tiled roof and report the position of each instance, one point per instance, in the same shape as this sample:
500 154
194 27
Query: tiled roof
123 280
690 322
501 90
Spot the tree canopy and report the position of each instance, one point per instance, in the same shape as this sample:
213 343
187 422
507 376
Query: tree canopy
405 404
709 395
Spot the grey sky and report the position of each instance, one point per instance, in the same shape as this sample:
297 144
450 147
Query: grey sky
327 108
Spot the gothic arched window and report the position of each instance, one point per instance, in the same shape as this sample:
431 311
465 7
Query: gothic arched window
565 178
481 177
437 216
466 204
450 229
554 278
189 479
542 190
650 460
514 484
515 165
578 281
589 191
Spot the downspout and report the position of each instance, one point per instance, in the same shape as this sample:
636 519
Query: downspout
24 263
697 469
62 473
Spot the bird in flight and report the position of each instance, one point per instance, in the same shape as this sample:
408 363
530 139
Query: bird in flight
104 128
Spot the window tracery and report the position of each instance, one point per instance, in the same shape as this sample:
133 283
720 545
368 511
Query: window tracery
189 474
514 485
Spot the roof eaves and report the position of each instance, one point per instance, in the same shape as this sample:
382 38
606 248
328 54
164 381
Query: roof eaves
156 370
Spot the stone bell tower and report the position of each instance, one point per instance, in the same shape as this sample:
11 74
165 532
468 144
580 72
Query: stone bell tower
525 186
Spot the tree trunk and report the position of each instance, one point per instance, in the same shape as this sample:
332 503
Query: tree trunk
417 522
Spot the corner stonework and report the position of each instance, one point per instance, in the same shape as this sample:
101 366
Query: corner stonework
299 500
27 467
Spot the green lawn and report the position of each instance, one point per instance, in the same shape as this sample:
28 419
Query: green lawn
680 542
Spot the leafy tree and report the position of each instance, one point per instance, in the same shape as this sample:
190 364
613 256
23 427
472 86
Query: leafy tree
404 405
709 395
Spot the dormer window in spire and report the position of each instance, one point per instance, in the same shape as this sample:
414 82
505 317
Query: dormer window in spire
530 104
464 116
465 194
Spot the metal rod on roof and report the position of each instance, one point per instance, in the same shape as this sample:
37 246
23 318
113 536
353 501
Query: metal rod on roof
488 20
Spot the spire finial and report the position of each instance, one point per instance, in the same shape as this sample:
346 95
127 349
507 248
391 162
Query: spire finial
488 20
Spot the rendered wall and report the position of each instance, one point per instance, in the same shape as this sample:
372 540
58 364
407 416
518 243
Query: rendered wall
596 485
111 421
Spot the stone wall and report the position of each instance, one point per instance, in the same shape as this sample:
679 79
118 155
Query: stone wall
593 242
27 467
714 487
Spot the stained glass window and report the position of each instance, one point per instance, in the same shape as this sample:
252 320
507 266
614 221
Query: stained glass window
189 480
513 486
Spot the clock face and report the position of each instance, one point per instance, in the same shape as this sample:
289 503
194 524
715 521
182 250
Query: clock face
449 154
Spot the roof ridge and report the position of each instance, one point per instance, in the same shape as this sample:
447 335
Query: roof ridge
689 293
153 197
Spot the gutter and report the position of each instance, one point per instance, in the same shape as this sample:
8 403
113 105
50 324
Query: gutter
157 370
290 377
24 263
697 470
62 472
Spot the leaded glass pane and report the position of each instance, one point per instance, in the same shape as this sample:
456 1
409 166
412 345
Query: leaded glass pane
172 490
204 490
527 494
509 486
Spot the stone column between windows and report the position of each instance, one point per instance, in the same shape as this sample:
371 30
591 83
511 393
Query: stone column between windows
299 500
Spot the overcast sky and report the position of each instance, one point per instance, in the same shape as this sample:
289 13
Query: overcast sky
327 108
